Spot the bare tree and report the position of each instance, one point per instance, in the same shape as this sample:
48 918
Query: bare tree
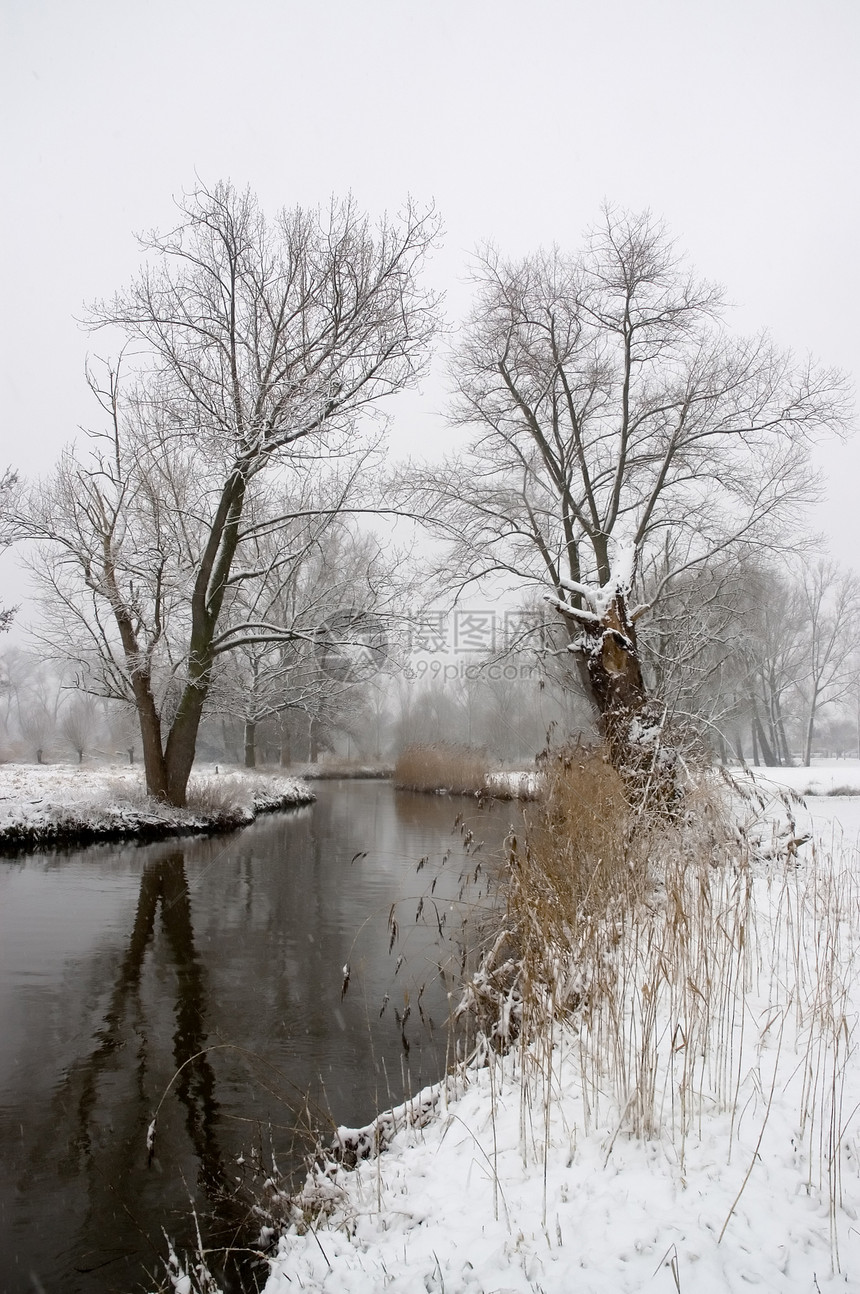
256 345
37 692
326 607
829 610
612 415
79 723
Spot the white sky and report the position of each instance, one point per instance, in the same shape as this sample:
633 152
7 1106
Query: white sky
737 121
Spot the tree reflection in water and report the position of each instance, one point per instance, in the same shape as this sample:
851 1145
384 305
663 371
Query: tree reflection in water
212 971
119 1171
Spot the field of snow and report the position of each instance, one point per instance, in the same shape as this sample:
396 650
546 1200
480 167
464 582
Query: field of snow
696 1131
830 791
52 803
824 777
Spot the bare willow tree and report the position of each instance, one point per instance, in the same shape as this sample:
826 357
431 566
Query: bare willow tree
612 415
253 346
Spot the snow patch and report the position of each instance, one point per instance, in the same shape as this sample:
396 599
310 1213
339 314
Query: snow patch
44 804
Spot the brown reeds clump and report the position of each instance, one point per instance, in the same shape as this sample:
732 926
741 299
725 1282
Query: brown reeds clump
459 770
578 869
631 915
586 845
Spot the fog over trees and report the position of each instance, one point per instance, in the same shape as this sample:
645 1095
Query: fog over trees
633 480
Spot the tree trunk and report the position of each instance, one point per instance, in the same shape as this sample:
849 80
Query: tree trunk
768 756
206 602
250 744
781 735
313 740
810 729
182 742
154 768
285 753
617 688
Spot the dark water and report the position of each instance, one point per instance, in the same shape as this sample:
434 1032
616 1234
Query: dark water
221 959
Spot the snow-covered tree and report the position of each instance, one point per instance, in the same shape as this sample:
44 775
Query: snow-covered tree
79 723
611 411
254 346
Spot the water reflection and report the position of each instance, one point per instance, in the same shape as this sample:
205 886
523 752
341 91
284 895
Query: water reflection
212 969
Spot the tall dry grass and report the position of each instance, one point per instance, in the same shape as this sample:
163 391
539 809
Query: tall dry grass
460 770
698 979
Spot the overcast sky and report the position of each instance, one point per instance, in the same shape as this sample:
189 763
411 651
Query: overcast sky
735 120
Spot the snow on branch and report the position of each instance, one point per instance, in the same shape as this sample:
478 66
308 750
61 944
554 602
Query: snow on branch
599 597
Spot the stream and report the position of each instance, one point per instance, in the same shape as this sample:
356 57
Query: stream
204 978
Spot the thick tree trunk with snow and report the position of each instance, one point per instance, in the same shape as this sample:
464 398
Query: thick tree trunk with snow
616 683
605 642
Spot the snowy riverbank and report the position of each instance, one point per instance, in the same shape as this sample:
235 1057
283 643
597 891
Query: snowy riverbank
56 804
730 1038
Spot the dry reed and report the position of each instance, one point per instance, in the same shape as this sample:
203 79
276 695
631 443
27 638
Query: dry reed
695 972
459 770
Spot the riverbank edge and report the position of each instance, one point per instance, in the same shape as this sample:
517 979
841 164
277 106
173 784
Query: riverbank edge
333 1211
341 772
516 785
89 819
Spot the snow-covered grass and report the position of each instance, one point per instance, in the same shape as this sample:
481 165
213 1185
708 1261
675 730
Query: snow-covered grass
62 803
679 1108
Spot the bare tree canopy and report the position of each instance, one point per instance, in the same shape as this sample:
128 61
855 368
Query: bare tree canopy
253 346
617 426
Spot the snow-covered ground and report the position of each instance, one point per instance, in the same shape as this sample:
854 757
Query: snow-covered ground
824 777
47 803
512 784
830 790
731 1039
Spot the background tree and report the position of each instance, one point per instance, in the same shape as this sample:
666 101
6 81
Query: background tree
689 648
769 647
35 688
79 723
611 412
829 604
327 586
257 344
